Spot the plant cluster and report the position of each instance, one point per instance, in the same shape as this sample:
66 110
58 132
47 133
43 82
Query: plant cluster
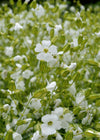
49 72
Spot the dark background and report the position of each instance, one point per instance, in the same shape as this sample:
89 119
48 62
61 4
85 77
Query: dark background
71 2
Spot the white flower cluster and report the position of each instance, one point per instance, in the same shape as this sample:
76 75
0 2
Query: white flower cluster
53 122
49 71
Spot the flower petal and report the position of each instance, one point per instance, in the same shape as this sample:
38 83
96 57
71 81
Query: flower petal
38 48
53 49
46 43
45 56
46 130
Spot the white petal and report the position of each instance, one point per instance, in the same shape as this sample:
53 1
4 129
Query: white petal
40 56
45 56
58 111
57 125
53 49
59 137
17 136
46 43
36 136
68 117
39 48
49 117
51 86
47 130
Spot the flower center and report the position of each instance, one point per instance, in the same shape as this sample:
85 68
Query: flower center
50 123
45 50
61 117
54 56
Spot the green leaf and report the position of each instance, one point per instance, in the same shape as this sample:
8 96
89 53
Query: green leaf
93 63
82 114
11 2
54 39
97 126
80 39
97 103
62 39
54 10
69 135
51 33
92 133
51 24
20 122
94 97
43 67
33 4
9 135
40 93
35 30
19 3
76 110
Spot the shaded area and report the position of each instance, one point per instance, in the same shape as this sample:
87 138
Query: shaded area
83 2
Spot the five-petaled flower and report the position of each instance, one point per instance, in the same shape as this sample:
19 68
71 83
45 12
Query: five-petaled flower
46 51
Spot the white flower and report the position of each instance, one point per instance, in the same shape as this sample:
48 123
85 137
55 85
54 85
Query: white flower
26 1
48 27
6 106
98 56
77 133
54 62
39 11
72 9
86 76
20 85
72 89
17 27
18 65
15 75
36 136
9 51
65 119
46 51
74 43
23 127
78 15
33 79
13 105
72 66
87 120
27 73
20 58
17 136
57 102
67 58
50 124
8 127
35 103
59 137
17 58
82 7
98 34
50 87
4 74
13 123
79 98
57 29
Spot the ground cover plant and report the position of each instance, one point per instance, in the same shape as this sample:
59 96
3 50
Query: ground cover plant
49 72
